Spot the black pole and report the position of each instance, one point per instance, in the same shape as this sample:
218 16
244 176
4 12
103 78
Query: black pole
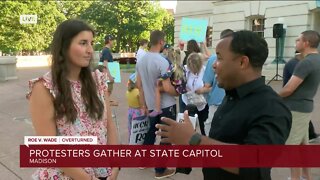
277 57
275 77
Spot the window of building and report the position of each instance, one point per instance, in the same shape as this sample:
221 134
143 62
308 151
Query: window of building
257 25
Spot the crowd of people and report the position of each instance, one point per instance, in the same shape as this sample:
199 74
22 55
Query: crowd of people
225 89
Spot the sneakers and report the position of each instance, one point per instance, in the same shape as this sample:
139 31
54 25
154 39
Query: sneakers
165 174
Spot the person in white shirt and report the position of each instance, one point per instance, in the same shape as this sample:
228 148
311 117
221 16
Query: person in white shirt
194 74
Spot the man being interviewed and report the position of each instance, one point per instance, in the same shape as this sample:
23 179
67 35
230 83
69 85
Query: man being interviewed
250 113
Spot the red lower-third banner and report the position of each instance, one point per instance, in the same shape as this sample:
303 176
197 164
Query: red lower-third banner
169 156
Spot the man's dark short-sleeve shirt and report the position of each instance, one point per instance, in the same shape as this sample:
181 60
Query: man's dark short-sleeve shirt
250 114
106 54
308 69
288 69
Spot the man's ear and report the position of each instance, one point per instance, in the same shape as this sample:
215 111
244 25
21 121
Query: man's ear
306 44
244 62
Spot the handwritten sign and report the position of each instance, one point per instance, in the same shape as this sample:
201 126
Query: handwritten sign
193 29
114 68
139 129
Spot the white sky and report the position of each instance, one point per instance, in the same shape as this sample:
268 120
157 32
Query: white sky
169 4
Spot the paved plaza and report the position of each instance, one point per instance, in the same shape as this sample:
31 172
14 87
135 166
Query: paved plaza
16 123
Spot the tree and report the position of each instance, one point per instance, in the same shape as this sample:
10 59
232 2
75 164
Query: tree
28 37
129 21
168 28
73 9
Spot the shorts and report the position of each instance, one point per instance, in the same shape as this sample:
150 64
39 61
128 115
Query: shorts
299 133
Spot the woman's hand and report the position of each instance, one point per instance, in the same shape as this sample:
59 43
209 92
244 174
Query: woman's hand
199 91
112 79
205 89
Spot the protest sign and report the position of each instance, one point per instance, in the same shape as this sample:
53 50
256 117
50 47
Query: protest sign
114 68
139 129
193 29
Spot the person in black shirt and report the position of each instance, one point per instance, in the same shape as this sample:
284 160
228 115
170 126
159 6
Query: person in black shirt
289 67
106 57
106 54
251 112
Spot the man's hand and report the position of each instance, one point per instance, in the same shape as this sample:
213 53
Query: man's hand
174 132
291 86
112 79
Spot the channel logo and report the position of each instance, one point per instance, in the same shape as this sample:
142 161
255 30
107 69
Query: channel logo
28 19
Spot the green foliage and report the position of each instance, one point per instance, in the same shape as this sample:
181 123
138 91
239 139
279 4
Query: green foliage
27 37
129 21
73 9
168 28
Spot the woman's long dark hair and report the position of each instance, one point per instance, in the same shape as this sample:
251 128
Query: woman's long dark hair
192 46
64 103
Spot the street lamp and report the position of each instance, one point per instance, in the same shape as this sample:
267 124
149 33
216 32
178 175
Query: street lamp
127 47
128 59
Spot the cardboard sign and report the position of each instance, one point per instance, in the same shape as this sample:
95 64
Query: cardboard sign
193 29
139 128
114 68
